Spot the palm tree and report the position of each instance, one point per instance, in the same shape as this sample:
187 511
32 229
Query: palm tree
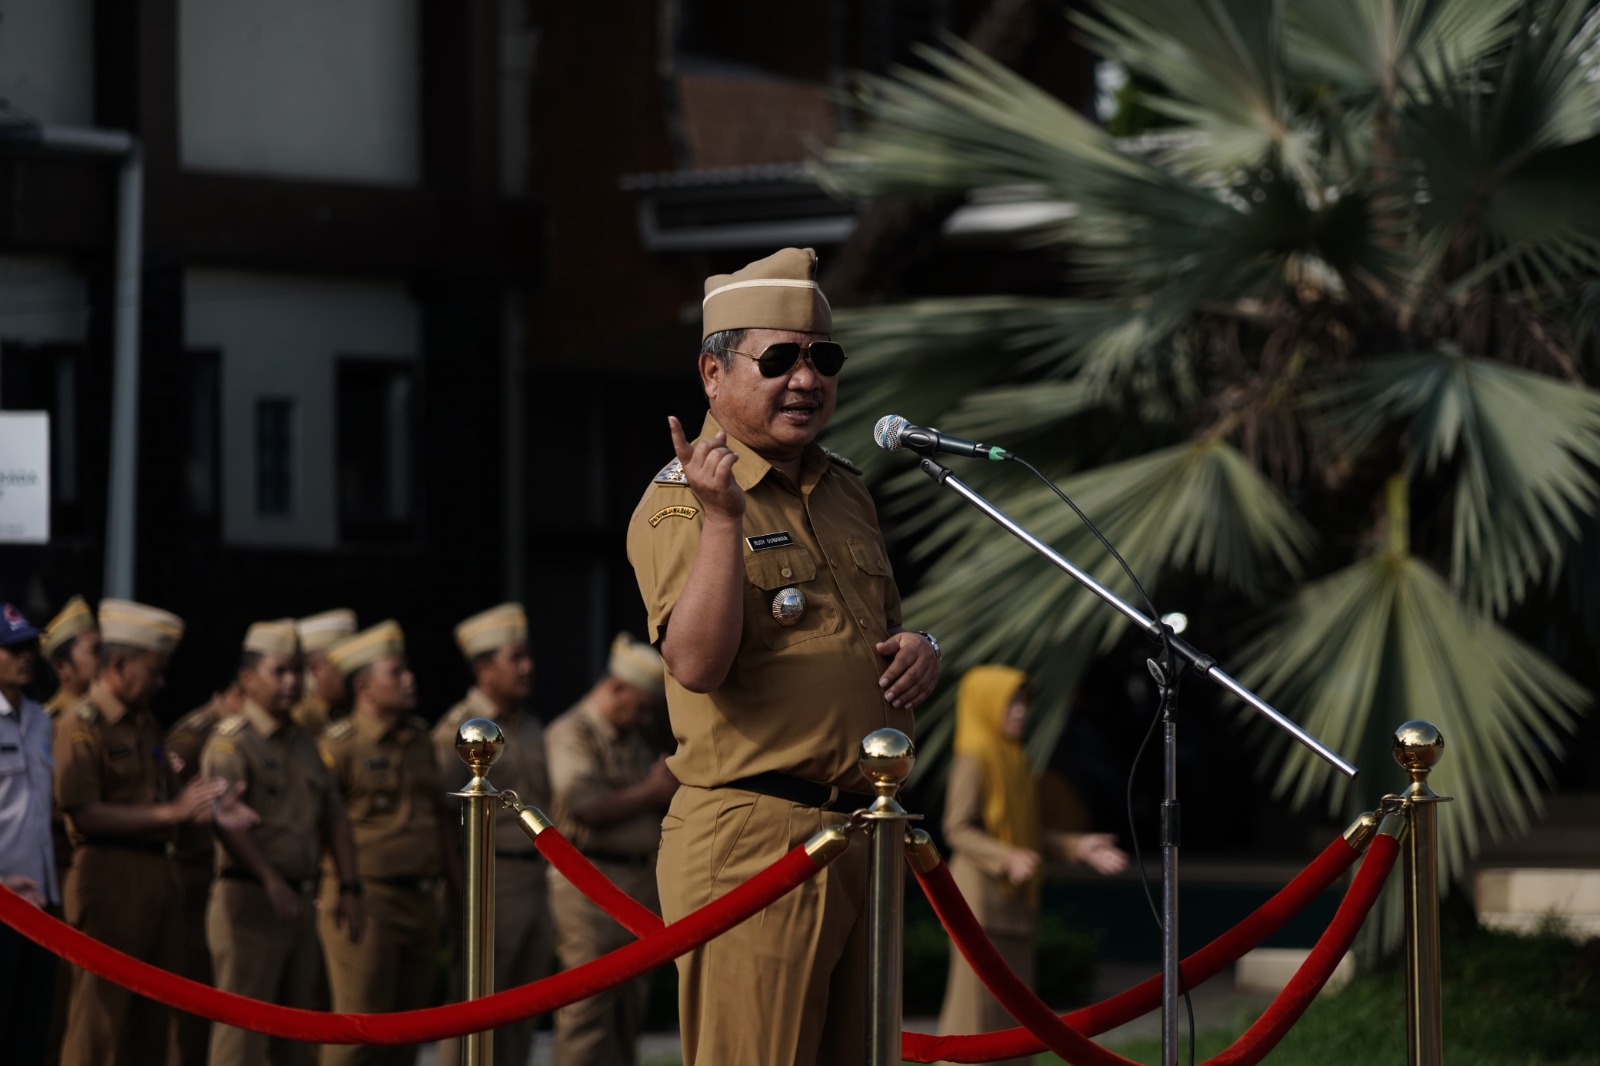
1323 342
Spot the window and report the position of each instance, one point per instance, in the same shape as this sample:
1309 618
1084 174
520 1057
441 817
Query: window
44 377
275 432
375 412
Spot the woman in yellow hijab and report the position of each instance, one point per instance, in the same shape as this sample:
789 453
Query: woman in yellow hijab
992 828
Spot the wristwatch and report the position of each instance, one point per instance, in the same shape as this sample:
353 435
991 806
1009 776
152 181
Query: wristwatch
933 642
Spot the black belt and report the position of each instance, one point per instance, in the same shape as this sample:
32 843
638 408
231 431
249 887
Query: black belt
621 858
799 790
410 884
523 856
301 885
164 848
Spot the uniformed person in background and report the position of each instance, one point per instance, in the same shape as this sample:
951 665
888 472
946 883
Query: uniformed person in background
196 859
71 645
384 770
495 644
609 791
769 592
324 695
122 802
261 922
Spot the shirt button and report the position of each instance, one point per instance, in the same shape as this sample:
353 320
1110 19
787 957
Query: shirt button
862 622
786 572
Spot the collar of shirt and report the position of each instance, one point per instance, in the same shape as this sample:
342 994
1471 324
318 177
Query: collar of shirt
371 727
6 707
264 721
751 467
590 711
483 707
111 709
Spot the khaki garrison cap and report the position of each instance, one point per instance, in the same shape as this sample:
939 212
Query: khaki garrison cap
137 625
638 664
319 632
273 638
778 292
367 647
492 629
74 618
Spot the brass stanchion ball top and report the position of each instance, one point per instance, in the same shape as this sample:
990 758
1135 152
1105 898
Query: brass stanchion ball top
887 756
1418 746
479 742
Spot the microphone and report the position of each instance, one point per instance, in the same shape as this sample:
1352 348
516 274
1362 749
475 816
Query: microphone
893 432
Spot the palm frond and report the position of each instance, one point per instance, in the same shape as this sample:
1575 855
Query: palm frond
1385 641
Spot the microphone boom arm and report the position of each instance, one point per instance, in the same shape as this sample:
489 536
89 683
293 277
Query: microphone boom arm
942 475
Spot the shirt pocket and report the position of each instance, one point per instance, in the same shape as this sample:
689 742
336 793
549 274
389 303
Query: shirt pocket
770 571
13 759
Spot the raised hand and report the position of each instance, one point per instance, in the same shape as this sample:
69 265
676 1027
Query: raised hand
708 468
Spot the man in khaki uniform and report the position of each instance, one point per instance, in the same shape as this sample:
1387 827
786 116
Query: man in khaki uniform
384 770
610 789
196 859
71 645
495 643
122 802
769 593
324 696
261 919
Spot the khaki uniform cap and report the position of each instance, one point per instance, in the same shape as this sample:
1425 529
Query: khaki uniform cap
778 292
367 647
138 625
73 619
492 629
638 664
319 632
273 638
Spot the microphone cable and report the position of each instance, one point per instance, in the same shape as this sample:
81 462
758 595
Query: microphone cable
1168 686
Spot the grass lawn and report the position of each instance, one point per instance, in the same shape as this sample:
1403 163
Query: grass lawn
1508 1001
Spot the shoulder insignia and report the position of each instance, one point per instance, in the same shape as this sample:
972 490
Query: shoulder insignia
339 730
835 457
672 474
677 511
231 725
87 711
221 747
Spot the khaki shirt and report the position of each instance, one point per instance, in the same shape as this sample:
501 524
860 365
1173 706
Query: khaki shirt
798 699
589 760
312 713
108 753
285 781
386 776
522 766
185 740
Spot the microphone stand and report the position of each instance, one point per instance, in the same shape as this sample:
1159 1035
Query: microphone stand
1166 677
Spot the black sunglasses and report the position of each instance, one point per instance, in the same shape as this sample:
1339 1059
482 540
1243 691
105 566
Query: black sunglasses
780 358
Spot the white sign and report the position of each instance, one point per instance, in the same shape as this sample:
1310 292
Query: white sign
24 477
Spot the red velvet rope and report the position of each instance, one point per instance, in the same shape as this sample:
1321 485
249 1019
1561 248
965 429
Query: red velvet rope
416 1026
629 913
1285 1009
1144 997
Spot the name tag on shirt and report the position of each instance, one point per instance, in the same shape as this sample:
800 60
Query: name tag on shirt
780 539
7 749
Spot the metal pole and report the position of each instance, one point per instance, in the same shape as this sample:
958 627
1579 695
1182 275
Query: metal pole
1169 892
1418 747
479 742
887 756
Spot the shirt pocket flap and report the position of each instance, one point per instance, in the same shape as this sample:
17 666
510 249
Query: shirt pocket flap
773 569
870 557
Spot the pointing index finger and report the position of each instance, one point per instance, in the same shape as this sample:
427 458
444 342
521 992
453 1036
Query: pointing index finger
680 443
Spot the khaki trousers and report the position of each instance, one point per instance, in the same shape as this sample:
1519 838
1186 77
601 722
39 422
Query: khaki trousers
391 969
969 1006
602 1030
789 985
255 954
524 951
131 901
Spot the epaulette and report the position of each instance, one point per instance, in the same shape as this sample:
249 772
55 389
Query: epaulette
835 457
196 720
339 730
87 711
231 725
672 474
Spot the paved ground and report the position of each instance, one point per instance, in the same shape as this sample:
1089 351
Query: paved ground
1217 1005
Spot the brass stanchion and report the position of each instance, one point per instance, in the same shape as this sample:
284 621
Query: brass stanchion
1418 747
479 742
887 756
